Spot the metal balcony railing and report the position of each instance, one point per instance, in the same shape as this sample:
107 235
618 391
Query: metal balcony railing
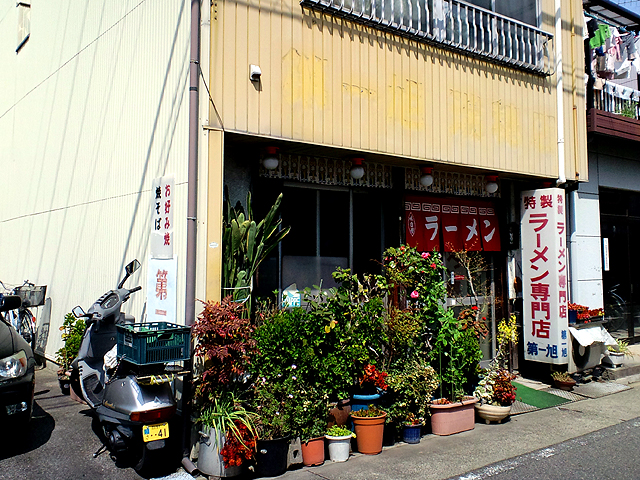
618 99
452 24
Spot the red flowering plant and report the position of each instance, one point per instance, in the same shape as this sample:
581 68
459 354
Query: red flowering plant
233 428
373 379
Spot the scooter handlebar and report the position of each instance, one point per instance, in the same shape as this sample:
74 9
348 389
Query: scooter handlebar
135 289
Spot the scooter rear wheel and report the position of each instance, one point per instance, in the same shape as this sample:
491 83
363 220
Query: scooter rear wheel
150 461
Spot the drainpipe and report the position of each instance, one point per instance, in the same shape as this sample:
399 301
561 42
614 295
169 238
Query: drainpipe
560 94
190 294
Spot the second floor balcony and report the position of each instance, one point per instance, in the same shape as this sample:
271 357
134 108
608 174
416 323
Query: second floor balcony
615 112
453 24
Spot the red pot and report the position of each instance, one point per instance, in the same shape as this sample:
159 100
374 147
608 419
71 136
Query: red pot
313 452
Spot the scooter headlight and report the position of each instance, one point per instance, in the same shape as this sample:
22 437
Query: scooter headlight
13 366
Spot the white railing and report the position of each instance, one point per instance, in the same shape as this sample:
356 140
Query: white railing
453 24
618 99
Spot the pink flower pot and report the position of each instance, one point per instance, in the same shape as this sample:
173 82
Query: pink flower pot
453 418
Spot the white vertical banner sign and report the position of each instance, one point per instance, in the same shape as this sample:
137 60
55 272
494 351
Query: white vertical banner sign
162 205
161 290
544 275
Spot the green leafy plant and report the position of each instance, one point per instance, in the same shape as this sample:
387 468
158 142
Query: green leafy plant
371 411
336 431
561 377
72 329
245 244
410 390
455 356
622 346
628 109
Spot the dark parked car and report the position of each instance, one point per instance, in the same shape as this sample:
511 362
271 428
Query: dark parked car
17 365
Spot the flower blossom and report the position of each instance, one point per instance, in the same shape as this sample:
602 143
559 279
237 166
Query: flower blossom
294 366
415 294
433 265
426 254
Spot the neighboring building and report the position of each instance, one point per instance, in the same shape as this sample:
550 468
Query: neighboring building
608 219
467 90
93 106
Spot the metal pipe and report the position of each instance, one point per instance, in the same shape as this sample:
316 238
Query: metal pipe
192 192
192 179
560 93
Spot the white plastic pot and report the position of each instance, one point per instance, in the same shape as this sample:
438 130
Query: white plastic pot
339 448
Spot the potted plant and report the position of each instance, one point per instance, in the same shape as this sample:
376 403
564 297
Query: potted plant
310 418
276 399
339 440
72 330
496 394
563 381
224 344
372 383
456 353
369 428
616 353
230 438
411 387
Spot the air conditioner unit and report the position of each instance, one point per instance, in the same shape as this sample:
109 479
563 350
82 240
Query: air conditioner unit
587 347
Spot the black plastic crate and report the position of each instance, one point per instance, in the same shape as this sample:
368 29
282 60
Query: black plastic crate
155 342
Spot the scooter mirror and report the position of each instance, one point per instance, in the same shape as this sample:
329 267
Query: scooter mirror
132 267
78 312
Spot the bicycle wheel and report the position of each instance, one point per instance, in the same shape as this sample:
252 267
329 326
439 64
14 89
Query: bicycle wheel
614 312
27 328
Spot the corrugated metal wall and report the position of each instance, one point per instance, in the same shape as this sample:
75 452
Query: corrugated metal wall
93 107
329 81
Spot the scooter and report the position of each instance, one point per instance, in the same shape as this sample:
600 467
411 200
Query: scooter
133 403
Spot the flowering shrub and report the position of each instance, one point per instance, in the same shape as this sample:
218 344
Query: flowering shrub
411 389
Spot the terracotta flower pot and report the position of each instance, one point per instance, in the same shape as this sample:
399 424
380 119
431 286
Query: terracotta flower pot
565 385
453 418
313 452
492 413
369 433
339 415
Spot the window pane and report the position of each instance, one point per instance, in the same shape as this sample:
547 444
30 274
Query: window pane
525 11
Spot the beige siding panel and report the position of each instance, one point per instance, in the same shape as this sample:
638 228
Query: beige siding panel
329 81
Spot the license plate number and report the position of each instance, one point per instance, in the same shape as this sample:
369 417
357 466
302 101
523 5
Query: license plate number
155 432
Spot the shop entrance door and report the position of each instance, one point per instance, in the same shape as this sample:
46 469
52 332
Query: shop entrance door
620 229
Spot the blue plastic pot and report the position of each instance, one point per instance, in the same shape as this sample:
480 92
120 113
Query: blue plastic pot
411 433
361 402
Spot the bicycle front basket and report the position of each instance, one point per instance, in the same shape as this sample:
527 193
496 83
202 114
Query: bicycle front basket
32 296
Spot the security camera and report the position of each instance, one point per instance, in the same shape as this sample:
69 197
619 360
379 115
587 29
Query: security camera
254 73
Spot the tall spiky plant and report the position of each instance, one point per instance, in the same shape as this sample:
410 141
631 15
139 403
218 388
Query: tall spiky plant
245 245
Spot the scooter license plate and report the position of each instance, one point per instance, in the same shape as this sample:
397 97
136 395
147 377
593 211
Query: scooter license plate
155 432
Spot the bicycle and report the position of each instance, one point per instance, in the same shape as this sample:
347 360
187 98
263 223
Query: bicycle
22 319
614 310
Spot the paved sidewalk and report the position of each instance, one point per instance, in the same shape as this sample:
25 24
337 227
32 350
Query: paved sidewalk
599 405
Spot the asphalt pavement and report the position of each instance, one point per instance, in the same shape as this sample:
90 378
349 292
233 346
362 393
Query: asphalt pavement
59 443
